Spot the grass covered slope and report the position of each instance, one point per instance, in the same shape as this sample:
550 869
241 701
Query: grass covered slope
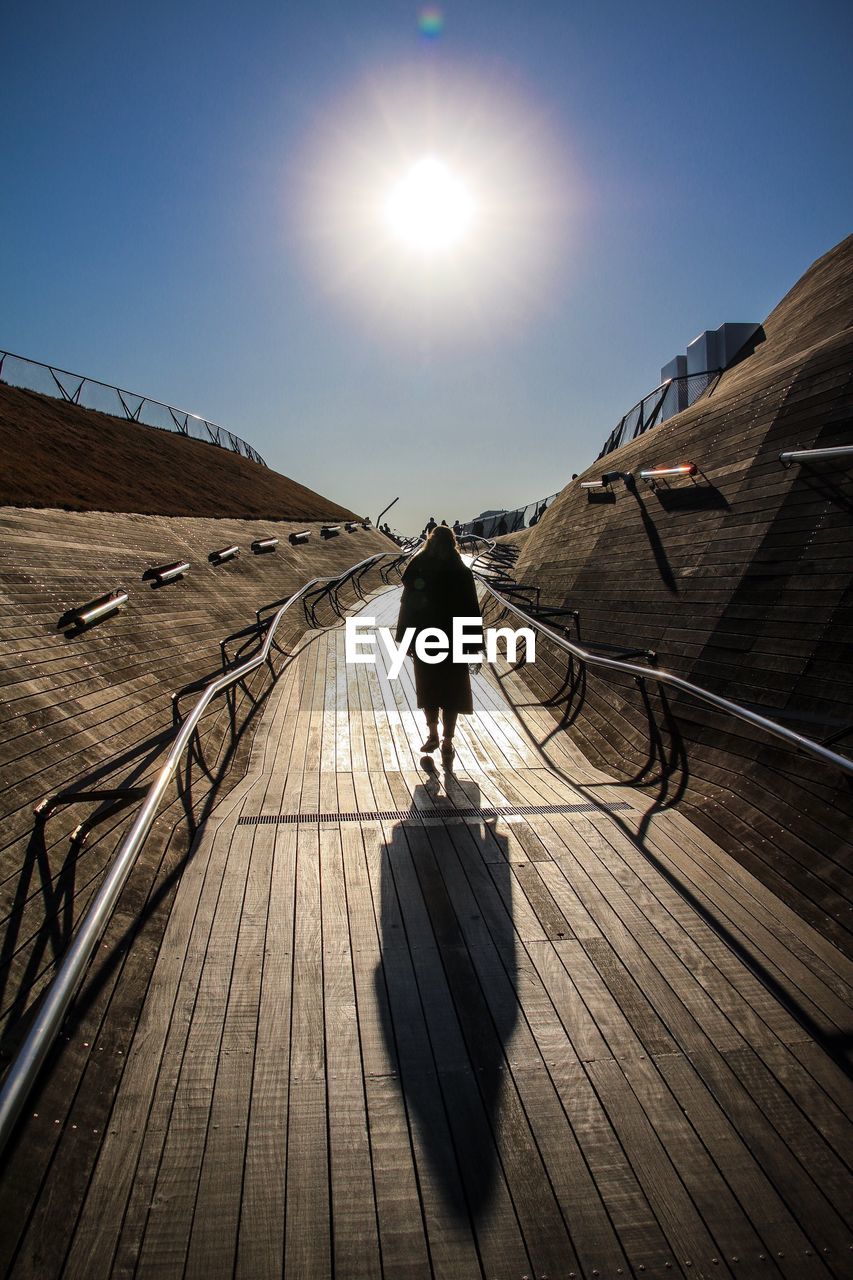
59 455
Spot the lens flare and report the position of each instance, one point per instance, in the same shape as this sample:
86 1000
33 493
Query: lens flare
431 21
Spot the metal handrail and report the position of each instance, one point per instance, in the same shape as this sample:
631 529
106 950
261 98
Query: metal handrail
46 1026
816 455
640 419
678 682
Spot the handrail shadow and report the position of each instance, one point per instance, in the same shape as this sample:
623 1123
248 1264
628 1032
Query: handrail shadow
671 781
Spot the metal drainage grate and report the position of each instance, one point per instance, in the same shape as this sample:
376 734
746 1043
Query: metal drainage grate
424 815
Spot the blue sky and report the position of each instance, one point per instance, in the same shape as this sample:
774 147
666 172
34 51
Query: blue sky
177 215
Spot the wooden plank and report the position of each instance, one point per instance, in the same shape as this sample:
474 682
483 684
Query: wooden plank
155 1051
166 1236
354 1220
493 956
217 1210
422 1171
416 981
676 1213
262 1209
307 1241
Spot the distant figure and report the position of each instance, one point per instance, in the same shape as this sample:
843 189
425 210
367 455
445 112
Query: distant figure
457 528
444 522
500 527
438 587
430 525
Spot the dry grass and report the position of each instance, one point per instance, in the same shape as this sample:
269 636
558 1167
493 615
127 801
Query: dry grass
56 454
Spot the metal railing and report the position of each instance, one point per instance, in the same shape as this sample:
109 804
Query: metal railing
660 676
57 1000
89 393
840 453
501 522
664 402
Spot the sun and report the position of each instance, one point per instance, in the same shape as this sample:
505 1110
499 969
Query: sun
429 209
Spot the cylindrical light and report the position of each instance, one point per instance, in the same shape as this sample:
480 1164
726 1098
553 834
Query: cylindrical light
224 553
99 607
264 544
664 473
297 539
168 572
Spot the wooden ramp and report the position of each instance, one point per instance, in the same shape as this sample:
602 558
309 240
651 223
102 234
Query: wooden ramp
503 1021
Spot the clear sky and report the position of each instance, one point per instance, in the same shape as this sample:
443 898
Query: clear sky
192 193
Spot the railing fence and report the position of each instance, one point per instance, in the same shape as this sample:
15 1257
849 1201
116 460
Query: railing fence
664 402
493 526
75 388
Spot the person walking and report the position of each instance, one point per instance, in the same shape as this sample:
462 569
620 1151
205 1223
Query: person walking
437 587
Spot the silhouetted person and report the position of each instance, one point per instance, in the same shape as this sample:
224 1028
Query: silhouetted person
430 525
437 587
457 528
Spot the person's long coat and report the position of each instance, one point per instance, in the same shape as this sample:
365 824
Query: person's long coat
434 593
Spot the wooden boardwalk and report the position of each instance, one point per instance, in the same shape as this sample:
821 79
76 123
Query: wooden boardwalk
503 1021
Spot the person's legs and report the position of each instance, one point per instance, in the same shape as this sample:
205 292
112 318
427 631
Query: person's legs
448 721
431 741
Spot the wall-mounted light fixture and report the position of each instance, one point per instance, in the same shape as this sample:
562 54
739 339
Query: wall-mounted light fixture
223 554
351 525
653 474
84 615
167 572
296 539
263 545
683 469
607 479
330 531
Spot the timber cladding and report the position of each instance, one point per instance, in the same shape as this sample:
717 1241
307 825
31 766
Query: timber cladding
739 578
89 713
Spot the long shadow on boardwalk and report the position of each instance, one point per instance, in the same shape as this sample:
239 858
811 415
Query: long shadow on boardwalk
446 991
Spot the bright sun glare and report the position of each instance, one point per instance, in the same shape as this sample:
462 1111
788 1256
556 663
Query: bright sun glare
434 203
429 209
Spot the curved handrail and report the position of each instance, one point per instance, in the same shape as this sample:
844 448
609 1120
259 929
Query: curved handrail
678 682
47 1023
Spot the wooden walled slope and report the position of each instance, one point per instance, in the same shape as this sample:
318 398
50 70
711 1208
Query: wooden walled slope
93 712
739 581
